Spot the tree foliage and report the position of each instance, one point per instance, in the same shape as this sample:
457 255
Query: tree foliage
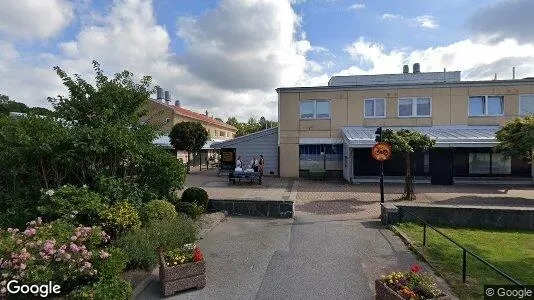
406 142
516 138
94 133
251 126
189 137
7 106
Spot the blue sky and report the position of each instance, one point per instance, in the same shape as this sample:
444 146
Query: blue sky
228 56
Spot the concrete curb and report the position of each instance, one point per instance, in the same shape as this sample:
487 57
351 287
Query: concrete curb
219 217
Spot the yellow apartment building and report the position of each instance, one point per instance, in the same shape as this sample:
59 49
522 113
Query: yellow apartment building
332 128
166 112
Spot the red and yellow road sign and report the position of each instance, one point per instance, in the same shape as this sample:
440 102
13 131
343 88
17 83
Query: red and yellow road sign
381 151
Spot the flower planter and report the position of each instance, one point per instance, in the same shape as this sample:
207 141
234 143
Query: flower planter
384 292
181 277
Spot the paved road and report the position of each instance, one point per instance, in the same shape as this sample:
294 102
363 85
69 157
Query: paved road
310 257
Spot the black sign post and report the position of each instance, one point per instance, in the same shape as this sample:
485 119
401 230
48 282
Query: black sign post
378 138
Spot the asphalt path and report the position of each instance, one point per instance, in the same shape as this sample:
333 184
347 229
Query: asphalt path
309 257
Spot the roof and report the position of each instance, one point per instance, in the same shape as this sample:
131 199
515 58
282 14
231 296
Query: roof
247 137
408 85
406 78
445 136
197 116
164 141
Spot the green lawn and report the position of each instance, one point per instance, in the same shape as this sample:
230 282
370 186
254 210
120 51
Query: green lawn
510 251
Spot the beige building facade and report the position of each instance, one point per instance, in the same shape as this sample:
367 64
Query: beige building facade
331 128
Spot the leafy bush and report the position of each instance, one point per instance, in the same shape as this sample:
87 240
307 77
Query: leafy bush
115 288
196 195
118 189
120 218
78 204
191 209
110 263
141 245
57 252
157 210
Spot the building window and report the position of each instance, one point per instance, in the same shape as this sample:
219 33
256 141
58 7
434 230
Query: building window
221 133
315 109
321 157
526 105
415 107
486 106
375 108
489 163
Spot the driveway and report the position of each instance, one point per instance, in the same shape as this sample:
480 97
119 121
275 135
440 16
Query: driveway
313 256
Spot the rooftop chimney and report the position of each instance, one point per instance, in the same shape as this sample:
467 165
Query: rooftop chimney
177 103
416 68
167 97
206 113
159 93
405 69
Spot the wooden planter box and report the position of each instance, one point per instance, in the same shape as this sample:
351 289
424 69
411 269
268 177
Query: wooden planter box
181 277
384 292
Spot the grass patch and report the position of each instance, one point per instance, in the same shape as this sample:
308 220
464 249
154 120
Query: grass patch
510 251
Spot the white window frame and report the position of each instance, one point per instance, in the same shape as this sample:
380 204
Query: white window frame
414 107
519 105
315 109
485 114
374 108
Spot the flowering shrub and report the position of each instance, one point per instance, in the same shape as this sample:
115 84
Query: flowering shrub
188 253
158 210
76 204
120 218
57 252
413 284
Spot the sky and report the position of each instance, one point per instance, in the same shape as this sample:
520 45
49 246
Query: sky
229 56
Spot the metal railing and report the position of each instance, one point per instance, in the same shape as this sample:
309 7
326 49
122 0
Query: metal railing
464 250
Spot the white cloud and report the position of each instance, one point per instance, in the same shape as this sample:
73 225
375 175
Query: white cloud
236 55
427 21
391 16
477 61
357 6
34 19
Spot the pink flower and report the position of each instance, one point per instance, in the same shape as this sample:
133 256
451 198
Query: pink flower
87 265
74 247
73 238
104 254
30 232
22 266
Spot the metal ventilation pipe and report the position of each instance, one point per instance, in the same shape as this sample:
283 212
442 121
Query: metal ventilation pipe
177 103
159 93
416 68
167 97
405 69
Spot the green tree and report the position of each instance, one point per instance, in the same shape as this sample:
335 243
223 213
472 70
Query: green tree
189 137
7 106
406 142
98 135
516 138
251 126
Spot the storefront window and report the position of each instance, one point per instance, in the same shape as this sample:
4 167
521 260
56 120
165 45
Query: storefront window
479 163
500 164
321 157
489 163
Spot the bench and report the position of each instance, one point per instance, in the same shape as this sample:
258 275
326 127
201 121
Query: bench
245 177
317 174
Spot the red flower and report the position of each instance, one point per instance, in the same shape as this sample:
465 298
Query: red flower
197 255
416 268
